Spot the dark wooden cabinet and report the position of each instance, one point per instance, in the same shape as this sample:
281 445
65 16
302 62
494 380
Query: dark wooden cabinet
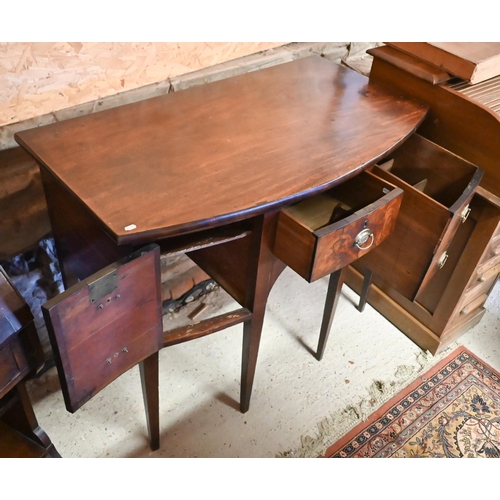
21 356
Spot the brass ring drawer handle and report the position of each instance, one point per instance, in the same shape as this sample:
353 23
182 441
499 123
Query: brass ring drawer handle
362 237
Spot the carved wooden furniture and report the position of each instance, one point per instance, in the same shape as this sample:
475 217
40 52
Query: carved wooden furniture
21 356
106 324
321 235
207 170
437 288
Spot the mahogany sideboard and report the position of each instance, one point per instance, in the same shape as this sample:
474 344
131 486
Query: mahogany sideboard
207 171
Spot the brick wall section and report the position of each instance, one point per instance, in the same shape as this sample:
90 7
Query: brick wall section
179 274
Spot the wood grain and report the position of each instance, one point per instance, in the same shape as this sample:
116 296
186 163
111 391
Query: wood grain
96 342
205 158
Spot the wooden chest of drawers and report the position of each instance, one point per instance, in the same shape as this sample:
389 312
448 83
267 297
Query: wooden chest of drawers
435 271
21 355
463 120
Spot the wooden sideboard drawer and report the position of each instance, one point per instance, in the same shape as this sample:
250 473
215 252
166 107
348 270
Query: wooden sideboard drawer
484 273
480 288
328 231
438 187
474 299
467 313
491 255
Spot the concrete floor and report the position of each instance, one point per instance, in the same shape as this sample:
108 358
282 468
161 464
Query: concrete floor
299 405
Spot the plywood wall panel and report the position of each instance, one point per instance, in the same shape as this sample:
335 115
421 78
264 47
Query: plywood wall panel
37 78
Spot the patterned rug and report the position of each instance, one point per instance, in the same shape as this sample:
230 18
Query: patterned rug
453 411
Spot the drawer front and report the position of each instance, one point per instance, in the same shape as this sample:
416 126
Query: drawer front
491 256
482 275
481 287
314 254
441 253
474 298
338 247
469 310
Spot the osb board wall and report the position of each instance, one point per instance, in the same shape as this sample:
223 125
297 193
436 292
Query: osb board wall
38 78
32 95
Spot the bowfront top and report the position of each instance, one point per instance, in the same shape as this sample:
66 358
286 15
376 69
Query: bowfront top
223 151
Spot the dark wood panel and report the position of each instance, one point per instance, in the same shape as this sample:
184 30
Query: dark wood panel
20 349
96 338
314 252
13 444
474 61
83 248
337 249
24 219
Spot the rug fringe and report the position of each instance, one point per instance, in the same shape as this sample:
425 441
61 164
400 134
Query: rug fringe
339 423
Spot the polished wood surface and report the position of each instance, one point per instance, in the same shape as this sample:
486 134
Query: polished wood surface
20 349
223 151
421 69
95 340
23 210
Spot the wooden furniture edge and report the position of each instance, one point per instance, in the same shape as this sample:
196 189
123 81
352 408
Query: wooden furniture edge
411 64
205 327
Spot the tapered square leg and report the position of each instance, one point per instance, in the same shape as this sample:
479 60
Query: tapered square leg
332 297
367 281
150 391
